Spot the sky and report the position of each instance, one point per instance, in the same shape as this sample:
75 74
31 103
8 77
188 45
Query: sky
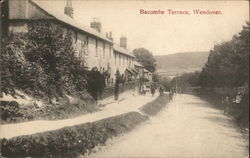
166 33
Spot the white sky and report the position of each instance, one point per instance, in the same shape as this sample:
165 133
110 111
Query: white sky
163 34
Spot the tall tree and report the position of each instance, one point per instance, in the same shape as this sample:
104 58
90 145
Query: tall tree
146 58
228 63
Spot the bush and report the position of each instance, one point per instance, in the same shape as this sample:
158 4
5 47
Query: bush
9 110
78 139
42 62
13 112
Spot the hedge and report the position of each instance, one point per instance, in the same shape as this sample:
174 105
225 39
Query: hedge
153 107
73 140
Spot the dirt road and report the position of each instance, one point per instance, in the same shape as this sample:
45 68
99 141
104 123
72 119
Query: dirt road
189 127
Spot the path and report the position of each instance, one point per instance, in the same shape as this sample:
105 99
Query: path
189 127
126 103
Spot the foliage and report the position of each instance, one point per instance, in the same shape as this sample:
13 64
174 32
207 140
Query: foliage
42 62
68 141
146 58
186 80
227 68
228 63
156 77
9 110
165 82
12 112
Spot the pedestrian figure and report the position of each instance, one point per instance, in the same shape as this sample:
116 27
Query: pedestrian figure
152 89
144 88
161 90
116 90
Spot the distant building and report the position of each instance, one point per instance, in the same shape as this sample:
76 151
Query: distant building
139 68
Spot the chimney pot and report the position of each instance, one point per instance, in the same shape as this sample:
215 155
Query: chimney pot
96 25
110 36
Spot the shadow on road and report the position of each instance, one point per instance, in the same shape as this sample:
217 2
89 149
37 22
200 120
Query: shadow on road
220 119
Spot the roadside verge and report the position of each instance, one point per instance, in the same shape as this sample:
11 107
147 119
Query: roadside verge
79 139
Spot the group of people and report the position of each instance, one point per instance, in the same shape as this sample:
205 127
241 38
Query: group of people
231 103
146 88
97 83
152 88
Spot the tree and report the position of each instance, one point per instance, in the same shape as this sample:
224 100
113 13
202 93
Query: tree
186 80
228 63
146 58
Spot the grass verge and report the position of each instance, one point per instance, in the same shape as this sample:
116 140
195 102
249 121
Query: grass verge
152 108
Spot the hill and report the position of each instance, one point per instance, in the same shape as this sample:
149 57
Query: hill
179 63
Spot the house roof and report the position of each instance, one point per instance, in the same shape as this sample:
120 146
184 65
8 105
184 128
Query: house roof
121 50
67 20
138 64
132 70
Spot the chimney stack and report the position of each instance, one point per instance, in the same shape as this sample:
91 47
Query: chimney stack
96 25
68 9
109 35
123 42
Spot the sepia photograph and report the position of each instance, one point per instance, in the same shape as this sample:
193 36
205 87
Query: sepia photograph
124 79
